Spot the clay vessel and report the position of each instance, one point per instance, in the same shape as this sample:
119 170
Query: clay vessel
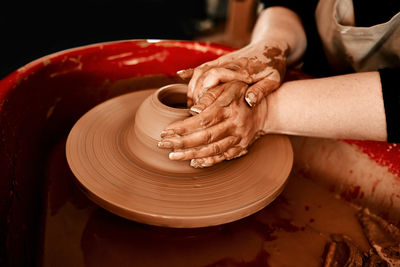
164 106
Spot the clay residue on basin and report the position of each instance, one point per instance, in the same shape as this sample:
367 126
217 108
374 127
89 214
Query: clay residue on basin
292 231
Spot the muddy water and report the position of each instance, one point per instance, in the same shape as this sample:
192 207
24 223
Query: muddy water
292 231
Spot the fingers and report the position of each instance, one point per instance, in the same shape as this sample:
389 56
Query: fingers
205 119
193 81
207 99
232 153
215 76
198 138
259 90
212 149
185 74
206 162
222 95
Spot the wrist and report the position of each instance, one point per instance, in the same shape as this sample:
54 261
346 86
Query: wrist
268 120
265 121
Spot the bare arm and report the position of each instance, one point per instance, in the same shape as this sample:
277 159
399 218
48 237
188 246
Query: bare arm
281 26
346 106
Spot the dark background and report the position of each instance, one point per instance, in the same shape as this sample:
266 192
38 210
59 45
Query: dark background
32 29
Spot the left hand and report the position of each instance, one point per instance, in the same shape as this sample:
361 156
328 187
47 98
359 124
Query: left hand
259 65
223 131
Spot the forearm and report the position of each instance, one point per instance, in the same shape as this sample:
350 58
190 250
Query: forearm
281 26
347 106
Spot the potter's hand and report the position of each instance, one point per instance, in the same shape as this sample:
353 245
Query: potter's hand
260 66
223 131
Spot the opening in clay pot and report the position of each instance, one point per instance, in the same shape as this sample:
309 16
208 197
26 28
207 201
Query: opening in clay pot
173 96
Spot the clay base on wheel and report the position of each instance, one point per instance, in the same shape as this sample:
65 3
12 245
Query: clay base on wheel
113 173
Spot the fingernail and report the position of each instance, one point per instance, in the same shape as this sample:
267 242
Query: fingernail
165 144
205 165
185 73
168 132
251 99
196 163
196 109
176 155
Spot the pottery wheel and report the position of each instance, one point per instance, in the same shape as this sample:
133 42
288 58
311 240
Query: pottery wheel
115 178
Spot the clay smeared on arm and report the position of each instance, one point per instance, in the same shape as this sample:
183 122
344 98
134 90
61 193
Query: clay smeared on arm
278 39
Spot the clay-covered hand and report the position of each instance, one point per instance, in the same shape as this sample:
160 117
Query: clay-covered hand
260 66
223 131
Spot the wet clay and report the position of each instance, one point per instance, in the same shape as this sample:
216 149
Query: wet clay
112 150
291 231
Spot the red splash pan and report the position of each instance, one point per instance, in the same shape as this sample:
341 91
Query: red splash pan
40 102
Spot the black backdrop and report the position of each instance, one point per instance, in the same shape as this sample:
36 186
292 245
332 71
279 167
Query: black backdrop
32 29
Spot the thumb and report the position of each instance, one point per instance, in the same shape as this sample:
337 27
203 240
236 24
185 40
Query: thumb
185 74
259 90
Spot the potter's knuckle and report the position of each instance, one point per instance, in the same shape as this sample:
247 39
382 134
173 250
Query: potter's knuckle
221 115
182 143
208 137
243 61
216 149
235 140
205 122
207 98
242 145
213 72
229 141
203 66
229 155
179 130
233 66
227 112
250 78
212 95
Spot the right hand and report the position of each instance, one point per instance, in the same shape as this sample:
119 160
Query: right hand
260 66
223 131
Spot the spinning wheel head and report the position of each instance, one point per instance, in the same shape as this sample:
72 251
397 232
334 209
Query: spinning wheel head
112 150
